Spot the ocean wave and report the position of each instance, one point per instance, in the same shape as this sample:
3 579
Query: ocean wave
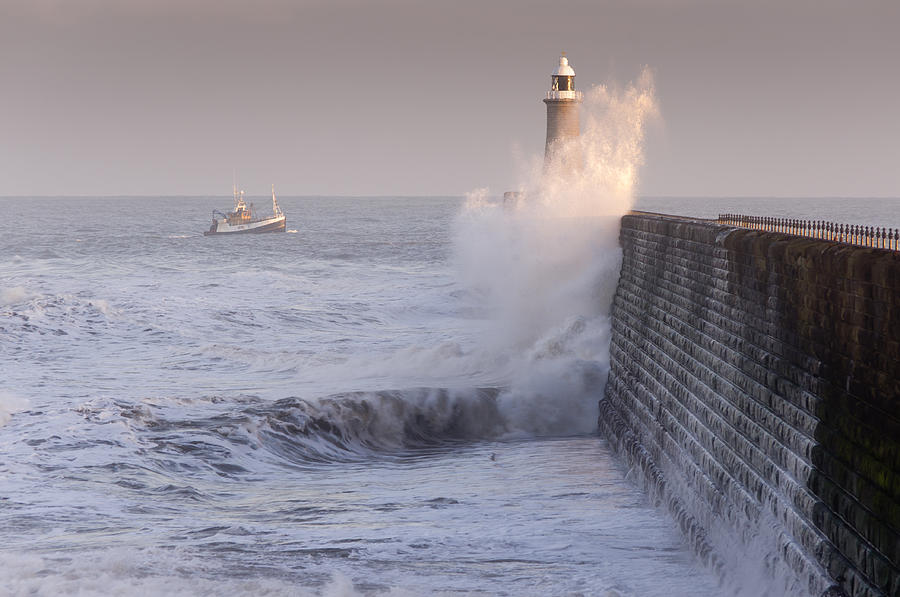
53 314
239 433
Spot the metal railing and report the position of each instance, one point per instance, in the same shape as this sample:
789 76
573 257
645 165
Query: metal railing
866 236
554 94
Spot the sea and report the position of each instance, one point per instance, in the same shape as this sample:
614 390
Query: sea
397 396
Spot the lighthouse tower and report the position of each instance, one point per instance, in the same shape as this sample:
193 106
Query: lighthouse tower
562 106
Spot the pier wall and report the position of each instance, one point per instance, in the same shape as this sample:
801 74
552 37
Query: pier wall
755 382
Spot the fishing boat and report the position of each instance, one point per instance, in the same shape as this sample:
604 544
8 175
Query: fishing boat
241 219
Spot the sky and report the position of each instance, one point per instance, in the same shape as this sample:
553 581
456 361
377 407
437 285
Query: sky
398 97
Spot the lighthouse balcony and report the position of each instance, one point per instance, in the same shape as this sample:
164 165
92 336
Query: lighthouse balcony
555 94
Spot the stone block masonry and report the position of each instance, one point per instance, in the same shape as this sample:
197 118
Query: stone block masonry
755 381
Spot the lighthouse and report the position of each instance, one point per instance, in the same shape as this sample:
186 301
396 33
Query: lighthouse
562 106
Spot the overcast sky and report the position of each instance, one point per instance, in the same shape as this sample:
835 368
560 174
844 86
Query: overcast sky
363 97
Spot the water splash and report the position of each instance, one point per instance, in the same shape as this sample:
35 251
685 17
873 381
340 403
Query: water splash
545 266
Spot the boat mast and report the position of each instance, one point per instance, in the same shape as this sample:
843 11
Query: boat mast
276 211
234 190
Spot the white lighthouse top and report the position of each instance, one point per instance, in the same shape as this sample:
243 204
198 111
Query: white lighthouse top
562 86
564 69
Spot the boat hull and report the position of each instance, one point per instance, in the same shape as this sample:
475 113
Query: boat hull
260 226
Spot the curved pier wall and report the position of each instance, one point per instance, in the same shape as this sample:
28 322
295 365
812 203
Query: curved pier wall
755 381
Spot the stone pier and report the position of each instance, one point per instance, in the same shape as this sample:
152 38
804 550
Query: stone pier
755 380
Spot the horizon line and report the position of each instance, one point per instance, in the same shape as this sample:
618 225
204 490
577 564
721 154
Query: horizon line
425 196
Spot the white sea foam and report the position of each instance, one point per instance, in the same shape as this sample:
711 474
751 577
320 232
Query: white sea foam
14 295
10 404
150 572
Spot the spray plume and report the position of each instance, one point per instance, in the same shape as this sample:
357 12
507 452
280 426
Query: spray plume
545 268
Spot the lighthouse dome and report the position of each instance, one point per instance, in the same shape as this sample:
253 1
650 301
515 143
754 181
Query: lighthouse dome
564 69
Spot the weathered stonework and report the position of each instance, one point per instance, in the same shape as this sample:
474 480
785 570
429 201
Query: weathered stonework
759 374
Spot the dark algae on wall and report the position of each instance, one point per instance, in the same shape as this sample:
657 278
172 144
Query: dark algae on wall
754 379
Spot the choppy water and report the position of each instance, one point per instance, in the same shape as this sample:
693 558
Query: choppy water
324 412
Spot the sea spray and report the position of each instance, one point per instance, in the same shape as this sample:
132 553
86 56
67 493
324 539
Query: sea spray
545 267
